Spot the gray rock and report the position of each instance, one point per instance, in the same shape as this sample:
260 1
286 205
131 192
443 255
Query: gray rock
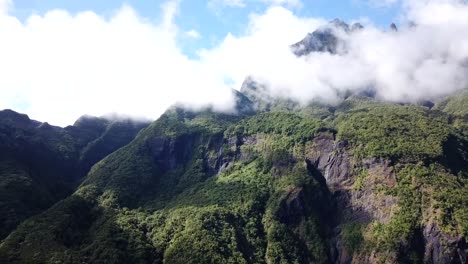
443 248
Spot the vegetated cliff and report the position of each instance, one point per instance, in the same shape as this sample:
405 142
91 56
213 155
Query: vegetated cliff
41 164
277 182
370 182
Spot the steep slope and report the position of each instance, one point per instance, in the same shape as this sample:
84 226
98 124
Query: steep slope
328 38
278 182
457 107
41 164
371 182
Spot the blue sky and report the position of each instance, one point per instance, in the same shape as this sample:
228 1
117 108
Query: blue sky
213 20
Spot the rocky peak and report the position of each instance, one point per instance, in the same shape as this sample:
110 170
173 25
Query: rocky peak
324 39
256 93
356 27
244 105
339 24
393 27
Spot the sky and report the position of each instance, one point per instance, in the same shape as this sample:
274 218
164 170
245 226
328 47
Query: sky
63 59
208 22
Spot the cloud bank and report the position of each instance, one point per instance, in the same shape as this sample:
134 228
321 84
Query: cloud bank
426 59
58 66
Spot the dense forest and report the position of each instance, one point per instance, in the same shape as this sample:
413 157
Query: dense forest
363 181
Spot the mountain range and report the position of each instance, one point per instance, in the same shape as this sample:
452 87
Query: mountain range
361 181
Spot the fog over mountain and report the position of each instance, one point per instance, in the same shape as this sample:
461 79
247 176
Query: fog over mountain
87 64
298 140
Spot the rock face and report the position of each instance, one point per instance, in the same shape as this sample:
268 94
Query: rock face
443 248
331 159
364 204
168 153
326 39
355 197
261 98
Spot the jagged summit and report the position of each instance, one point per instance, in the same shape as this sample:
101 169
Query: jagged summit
356 27
326 38
339 24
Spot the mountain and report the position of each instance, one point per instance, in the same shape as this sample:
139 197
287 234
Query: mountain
329 38
368 182
361 181
325 39
41 164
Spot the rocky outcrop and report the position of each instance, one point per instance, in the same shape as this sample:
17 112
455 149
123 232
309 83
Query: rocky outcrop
443 248
292 207
168 153
331 160
326 39
356 188
356 198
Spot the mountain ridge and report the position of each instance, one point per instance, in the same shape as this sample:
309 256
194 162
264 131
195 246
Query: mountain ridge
49 161
271 186
275 181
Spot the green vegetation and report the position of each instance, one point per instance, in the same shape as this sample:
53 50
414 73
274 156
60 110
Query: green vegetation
405 133
352 237
456 105
206 187
291 127
41 164
360 179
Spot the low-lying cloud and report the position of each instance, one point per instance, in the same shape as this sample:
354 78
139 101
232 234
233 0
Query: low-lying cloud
58 66
426 59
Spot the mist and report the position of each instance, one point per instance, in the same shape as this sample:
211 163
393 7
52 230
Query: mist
58 66
424 60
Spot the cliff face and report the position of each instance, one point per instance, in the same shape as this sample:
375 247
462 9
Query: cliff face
360 201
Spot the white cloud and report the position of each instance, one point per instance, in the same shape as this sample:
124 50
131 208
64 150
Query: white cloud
5 5
423 62
265 42
437 12
193 34
60 66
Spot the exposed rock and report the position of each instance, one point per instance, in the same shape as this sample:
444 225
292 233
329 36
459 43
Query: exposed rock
325 39
291 209
331 159
319 41
257 93
443 248
244 106
356 27
168 152
339 24
351 204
